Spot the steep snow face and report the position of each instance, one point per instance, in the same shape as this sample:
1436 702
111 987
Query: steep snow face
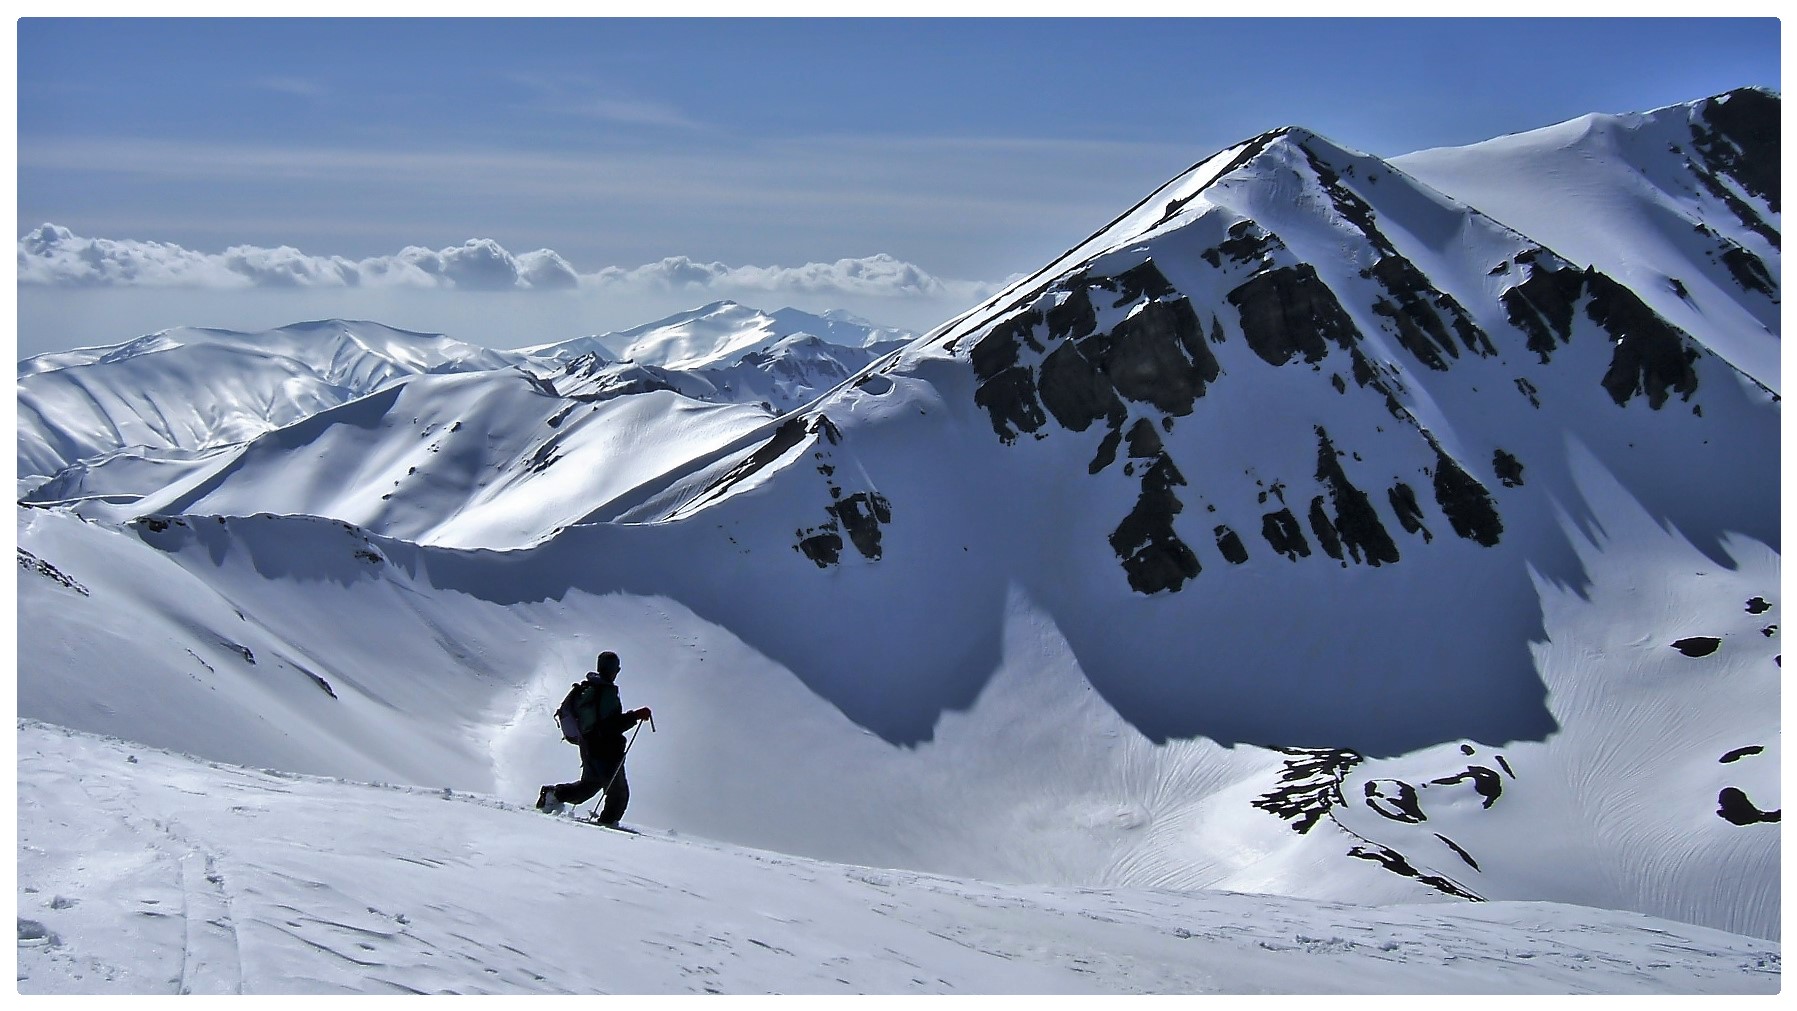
1303 454
487 460
1681 205
1305 531
306 420
169 395
1316 395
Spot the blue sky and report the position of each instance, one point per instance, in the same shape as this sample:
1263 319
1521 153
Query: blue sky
967 150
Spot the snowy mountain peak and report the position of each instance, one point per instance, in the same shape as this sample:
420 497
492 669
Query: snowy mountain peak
1358 530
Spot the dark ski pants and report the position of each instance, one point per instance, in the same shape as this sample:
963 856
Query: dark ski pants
599 760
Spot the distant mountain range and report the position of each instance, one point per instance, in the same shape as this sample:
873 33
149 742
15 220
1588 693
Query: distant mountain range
1328 526
189 415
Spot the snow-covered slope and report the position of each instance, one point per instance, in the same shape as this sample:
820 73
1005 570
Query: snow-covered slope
144 871
174 394
1304 531
308 419
1680 204
485 460
718 334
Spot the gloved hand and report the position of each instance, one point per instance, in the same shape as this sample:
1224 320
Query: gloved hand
640 714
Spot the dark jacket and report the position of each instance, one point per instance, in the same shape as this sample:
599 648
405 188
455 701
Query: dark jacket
601 715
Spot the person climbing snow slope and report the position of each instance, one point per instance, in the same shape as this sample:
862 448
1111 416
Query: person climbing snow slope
594 718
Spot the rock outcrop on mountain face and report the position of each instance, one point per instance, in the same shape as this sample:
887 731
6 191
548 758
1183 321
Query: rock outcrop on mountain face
1137 330
1686 216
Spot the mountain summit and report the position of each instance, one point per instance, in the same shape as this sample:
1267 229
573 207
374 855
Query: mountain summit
1309 528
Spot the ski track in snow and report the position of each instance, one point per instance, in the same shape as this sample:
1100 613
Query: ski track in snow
196 877
383 574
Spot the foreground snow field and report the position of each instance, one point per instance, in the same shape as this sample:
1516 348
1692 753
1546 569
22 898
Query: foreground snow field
145 871
1309 582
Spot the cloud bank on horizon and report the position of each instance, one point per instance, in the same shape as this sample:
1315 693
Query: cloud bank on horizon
54 256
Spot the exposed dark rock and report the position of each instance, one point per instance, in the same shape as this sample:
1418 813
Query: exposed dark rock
1310 785
998 350
1289 311
1282 531
1463 854
1355 521
1489 785
1758 605
1325 530
1769 631
1142 281
1415 308
1508 468
1749 271
1410 515
1651 356
1698 645
1740 753
1744 140
1158 356
789 434
1152 554
1074 317
1076 393
1230 545
1009 397
1394 861
1246 242
1733 806
1144 441
544 458
1394 799
1107 451
1336 381
823 547
862 514
1349 205
1542 306
1465 502
1528 389
33 563
822 425
1743 212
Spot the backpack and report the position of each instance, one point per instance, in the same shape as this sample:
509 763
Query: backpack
568 716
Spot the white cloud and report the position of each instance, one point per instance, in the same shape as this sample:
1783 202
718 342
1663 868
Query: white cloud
53 256
877 275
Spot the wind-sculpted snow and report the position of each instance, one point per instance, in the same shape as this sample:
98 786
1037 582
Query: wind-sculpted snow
1680 205
308 420
190 390
1303 531
201 878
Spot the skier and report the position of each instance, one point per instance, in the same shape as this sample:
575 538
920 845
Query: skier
601 720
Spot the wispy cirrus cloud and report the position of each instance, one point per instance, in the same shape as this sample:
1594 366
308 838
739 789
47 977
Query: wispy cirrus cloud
297 86
585 98
54 256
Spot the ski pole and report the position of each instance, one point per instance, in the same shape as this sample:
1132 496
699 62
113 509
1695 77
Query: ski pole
594 813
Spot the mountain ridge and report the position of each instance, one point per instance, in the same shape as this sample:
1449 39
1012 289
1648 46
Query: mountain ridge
1303 530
